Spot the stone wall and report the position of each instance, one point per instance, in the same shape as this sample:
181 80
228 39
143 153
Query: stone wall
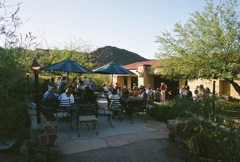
41 146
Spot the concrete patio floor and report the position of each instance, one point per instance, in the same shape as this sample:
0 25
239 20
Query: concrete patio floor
121 134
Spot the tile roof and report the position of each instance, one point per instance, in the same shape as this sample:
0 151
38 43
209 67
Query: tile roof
136 64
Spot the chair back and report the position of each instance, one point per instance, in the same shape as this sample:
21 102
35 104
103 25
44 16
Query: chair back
115 104
86 109
64 103
50 103
140 104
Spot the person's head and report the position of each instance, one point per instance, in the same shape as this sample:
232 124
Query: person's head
68 91
114 91
157 89
52 79
187 88
195 91
201 86
208 90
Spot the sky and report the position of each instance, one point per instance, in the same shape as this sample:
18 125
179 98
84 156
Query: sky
126 24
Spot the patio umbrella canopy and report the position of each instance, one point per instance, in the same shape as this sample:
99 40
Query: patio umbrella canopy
67 65
112 68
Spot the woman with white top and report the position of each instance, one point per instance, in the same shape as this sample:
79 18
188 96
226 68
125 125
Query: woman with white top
66 98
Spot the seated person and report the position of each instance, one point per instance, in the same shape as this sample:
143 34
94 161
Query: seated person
51 93
62 88
125 92
66 96
143 94
114 95
105 88
115 105
89 96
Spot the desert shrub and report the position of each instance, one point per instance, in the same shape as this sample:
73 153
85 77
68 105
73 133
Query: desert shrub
173 109
214 142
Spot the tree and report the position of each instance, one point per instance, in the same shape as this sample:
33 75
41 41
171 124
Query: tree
208 43
14 60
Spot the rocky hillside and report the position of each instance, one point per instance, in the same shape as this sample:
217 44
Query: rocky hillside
108 54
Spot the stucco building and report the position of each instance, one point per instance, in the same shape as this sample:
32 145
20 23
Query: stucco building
145 75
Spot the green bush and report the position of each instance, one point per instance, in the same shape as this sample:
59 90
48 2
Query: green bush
176 108
200 136
14 121
212 142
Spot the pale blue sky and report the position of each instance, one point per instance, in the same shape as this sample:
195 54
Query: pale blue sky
127 24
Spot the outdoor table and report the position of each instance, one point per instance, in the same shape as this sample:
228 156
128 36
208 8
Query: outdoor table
133 104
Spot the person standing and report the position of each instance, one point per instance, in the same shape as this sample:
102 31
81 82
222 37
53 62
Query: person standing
85 81
157 95
163 88
51 83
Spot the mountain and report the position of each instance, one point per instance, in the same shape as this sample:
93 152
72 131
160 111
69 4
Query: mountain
108 54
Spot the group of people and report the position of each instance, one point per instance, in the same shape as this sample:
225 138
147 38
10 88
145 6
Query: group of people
199 93
136 92
62 90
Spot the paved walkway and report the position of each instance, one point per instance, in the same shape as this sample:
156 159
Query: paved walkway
134 142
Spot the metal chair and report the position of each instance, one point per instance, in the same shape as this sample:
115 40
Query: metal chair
115 108
49 107
87 113
138 106
63 109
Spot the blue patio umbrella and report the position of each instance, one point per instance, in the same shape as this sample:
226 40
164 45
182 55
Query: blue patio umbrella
67 65
112 68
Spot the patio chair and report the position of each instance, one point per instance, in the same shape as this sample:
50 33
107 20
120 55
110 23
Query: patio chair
63 110
87 113
49 107
138 107
115 108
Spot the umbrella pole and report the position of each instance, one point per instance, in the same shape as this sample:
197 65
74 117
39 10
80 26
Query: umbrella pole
67 76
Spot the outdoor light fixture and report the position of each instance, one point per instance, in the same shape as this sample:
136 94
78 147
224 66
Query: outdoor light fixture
35 67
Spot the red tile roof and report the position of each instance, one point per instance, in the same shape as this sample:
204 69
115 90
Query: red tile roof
145 63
